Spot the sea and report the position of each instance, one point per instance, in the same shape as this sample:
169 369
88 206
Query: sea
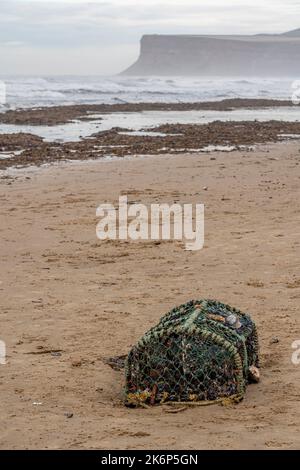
34 92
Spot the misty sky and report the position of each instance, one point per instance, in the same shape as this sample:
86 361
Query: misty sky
45 37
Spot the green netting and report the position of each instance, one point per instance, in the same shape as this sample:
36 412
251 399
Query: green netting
200 351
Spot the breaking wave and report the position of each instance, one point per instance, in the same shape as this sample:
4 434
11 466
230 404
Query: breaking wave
49 91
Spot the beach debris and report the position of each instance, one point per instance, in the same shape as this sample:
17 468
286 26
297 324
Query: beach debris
153 394
69 415
216 317
56 354
76 362
116 362
255 283
254 374
274 340
202 352
41 350
138 398
233 321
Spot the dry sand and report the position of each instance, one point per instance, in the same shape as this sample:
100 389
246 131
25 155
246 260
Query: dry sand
63 290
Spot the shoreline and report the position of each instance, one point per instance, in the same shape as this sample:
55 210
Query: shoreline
27 149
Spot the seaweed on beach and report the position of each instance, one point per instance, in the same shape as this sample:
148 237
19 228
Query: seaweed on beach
202 351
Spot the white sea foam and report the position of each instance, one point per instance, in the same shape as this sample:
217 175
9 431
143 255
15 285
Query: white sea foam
289 136
49 91
12 154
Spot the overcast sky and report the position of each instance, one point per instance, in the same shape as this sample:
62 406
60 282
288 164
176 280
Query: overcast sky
44 37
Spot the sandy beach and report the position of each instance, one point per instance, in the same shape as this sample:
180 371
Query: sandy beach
69 301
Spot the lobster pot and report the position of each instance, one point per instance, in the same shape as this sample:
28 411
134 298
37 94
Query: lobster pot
202 350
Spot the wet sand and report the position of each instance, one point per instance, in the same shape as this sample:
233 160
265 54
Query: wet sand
68 300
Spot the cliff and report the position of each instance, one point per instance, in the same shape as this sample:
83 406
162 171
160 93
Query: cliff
259 55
